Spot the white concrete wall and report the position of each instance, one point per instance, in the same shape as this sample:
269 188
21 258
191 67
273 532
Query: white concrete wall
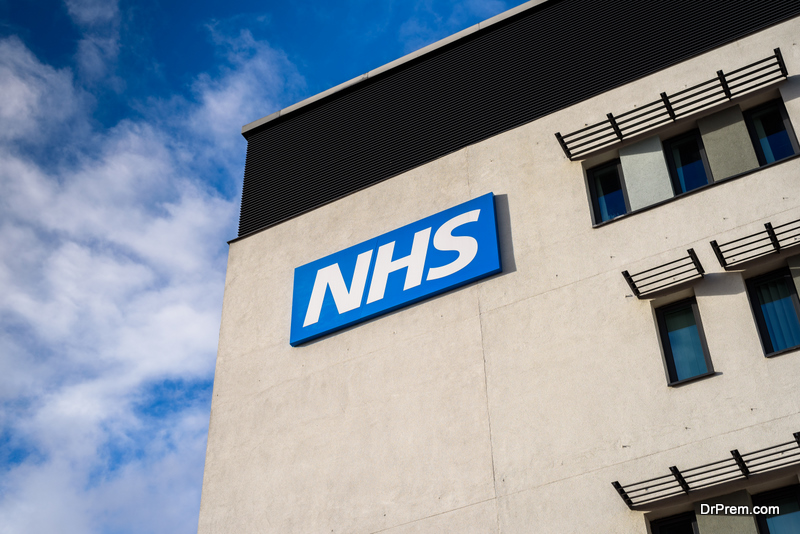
727 524
728 146
645 173
512 404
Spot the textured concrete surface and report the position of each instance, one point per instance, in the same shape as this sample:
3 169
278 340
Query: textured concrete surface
480 517
727 524
509 405
645 171
728 146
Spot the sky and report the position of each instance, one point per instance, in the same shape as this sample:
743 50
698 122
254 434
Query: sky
121 165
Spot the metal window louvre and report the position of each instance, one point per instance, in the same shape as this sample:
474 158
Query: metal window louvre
616 129
771 240
662 278
648 493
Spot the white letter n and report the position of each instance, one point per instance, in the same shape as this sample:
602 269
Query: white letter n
332 276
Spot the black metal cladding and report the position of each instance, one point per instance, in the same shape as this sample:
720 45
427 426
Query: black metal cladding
542 60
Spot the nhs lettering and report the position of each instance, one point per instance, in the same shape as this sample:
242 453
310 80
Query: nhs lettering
438 253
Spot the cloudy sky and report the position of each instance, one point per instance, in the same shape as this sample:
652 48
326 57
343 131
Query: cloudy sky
121 163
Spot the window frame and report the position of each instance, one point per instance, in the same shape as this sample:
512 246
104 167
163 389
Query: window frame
751 129
593 189
655 526
767 497
667 355
761 324
673 170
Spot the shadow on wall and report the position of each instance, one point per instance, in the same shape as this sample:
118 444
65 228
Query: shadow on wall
718 284
790 89
504 237
507 262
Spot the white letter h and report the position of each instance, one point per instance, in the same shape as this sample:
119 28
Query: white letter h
384 265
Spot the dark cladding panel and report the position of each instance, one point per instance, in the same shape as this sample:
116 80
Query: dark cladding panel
545 59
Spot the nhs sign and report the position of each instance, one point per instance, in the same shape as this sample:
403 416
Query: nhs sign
435 254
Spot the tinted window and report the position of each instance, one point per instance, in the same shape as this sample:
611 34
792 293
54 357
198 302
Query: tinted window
775 305
608 197
681 336
771 132
687 163
788 520
678 524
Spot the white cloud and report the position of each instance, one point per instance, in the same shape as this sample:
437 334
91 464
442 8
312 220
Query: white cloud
112 257
92 12
483 9
33 93
96 53
430 24
98 49
256 73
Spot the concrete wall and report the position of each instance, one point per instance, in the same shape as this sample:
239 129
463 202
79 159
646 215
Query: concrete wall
727 524
645 173
728 146
509 405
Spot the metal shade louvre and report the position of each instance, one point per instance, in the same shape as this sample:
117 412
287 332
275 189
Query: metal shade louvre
646 494
725 86
537 62
665 277
771 240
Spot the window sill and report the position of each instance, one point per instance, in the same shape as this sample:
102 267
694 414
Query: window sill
782 352
698 190
693 379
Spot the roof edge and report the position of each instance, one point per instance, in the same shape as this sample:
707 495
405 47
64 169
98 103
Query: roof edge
394 64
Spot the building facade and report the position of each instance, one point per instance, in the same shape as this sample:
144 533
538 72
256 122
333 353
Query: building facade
635 363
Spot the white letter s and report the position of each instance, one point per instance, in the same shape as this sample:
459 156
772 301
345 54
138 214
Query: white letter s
466 246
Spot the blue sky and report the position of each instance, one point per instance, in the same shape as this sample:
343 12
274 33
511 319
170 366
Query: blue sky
120 172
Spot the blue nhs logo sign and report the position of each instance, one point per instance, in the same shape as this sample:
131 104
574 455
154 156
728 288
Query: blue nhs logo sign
435 254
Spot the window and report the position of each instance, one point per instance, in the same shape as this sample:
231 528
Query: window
686 159
676 524
771 132
786 522
608 194
776 309
685 350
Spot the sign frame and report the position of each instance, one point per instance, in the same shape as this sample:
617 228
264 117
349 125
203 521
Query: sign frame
418 261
